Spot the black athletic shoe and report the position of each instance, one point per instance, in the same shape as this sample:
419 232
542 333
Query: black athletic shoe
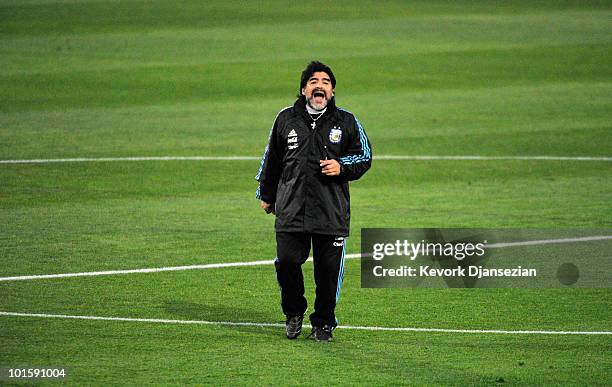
294 326
323 333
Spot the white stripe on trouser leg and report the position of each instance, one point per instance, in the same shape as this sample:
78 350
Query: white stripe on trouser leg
340 276
340 272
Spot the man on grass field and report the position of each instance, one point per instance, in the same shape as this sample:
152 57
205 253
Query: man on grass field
314 150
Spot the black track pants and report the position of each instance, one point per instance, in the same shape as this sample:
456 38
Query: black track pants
292 250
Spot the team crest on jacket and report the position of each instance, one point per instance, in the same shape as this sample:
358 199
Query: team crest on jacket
335 135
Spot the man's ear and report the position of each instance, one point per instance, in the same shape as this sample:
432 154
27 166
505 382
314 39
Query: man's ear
303 88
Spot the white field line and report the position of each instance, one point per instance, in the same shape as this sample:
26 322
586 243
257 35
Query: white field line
239 158
150 270
491 158
271 262
152 158
549 241
278 325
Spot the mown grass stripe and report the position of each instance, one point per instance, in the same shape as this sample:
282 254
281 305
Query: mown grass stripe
271 262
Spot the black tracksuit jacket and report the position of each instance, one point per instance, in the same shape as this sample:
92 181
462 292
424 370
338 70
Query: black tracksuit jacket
290 178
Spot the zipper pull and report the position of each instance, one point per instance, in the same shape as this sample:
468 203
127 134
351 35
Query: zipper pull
326 154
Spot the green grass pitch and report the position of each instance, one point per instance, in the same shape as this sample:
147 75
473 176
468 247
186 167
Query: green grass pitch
189 78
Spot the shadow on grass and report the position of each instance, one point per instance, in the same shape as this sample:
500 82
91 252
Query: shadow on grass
215 312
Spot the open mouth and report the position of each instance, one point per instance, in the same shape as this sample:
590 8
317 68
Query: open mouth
318 97
318 94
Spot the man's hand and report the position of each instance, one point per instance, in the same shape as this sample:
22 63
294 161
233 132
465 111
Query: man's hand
330 167
267 207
